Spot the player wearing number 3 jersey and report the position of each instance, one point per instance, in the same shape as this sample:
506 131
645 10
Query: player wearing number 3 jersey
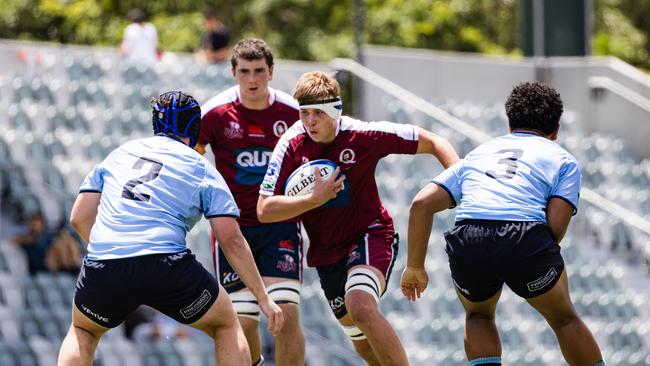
134 210
516 195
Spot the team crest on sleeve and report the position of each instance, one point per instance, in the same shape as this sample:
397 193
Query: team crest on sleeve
233 131
279 128
347 156
271 176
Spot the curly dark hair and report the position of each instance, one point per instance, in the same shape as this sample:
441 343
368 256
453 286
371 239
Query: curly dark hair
534 106
251 49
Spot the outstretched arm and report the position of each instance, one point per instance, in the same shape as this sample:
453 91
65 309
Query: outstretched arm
238 253
84 213
430 143
429 200
200 148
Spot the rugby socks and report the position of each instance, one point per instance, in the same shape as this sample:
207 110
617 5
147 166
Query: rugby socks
259 362
487 361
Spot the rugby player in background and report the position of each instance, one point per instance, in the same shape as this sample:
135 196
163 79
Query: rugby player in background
242 126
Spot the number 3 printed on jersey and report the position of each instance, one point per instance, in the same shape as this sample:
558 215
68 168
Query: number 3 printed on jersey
154 170
510 162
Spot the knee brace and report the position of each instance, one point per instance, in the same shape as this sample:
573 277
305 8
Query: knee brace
365 280
353 332
245 304
287 292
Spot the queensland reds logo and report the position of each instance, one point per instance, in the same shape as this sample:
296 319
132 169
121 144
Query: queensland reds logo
234 131
347 156
287 264
279 128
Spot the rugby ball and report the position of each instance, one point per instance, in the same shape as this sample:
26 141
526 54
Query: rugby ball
301 181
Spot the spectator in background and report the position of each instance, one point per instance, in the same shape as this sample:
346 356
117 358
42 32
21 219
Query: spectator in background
140 42
36 242
215 40
65 253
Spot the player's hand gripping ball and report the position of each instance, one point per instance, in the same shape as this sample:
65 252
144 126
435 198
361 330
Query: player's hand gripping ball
301 181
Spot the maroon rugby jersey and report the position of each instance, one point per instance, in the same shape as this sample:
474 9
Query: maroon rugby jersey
356 149
242 140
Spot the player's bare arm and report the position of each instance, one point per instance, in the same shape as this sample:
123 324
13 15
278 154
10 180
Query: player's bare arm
430 143
280 208
429 200
84 213
558 215
237 251
200 148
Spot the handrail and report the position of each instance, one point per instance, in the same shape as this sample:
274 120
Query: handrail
407 97
631 218
602 82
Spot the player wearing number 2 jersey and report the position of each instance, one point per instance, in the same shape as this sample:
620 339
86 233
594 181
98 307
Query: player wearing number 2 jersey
516 195
134 209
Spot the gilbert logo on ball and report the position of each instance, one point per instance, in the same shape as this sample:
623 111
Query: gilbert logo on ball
301 181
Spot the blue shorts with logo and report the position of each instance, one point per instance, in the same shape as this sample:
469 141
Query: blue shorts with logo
485 254
277 250
175 284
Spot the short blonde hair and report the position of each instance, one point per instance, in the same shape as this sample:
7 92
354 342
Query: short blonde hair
316 86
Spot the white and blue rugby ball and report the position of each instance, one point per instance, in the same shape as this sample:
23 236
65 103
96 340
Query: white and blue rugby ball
301 181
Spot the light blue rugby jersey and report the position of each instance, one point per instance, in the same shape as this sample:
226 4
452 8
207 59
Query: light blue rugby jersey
153 191
511 178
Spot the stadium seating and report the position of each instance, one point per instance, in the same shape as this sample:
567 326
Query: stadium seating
63 117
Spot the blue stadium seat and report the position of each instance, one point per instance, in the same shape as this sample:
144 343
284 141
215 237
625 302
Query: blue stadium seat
6 355
19 119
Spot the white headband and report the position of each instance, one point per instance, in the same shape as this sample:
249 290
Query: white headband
333 107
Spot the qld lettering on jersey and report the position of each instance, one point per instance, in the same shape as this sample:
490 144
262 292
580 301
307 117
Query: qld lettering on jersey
251 164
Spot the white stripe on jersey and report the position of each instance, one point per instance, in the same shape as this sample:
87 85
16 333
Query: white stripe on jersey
231 95
227 96
278 157
404 131
284 98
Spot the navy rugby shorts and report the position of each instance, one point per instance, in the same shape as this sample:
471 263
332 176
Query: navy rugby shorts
485 254
276 248
377 248
175 284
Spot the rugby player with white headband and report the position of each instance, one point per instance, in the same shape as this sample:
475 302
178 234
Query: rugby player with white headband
353 243
332 107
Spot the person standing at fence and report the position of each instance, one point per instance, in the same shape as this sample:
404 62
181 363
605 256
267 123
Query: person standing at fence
140 41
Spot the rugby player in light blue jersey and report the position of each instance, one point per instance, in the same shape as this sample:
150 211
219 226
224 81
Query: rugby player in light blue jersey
134 210
516 195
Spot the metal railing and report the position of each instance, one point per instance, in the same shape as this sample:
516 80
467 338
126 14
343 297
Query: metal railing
623 214
605 83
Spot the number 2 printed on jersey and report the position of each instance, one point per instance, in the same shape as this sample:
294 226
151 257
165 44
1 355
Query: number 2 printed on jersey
128 191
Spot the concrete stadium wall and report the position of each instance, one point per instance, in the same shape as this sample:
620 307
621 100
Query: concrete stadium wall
466 77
